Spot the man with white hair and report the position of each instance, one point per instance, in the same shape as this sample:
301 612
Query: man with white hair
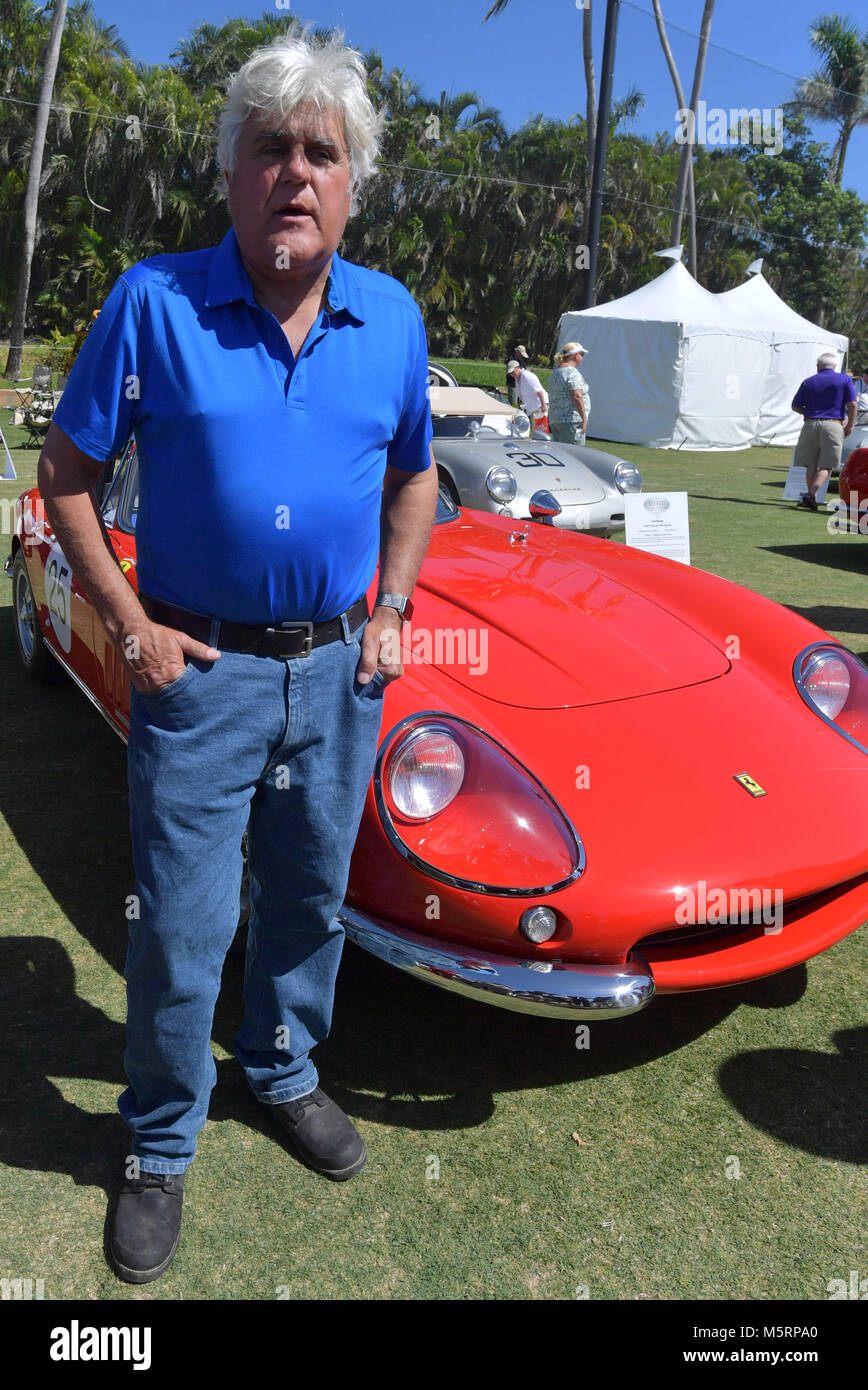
827 400
272 478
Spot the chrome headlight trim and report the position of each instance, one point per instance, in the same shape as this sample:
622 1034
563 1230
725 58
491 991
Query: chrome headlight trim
511 481
832 647
630 473
430 870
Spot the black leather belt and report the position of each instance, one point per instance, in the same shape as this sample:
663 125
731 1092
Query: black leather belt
284 640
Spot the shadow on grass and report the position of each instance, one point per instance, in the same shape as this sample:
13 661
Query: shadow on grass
813 1101
745 501
401 1053
50 1032
835 619
436 1060
853 559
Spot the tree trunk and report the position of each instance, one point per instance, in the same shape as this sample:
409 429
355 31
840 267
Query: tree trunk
693 258
687 149
590 108
843 142
698 74
31 192
682 105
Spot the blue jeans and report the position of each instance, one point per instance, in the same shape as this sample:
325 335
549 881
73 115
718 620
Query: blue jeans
285 747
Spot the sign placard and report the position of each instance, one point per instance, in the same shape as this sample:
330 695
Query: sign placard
797 483
8 475
658 522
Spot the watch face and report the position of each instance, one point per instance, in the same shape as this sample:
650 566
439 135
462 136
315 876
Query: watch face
403 605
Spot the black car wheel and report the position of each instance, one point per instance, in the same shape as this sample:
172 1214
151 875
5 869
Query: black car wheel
36 657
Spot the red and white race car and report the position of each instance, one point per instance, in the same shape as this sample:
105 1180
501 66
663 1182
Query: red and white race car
602 774
852 506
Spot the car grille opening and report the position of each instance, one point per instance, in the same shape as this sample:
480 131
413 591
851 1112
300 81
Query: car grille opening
702 931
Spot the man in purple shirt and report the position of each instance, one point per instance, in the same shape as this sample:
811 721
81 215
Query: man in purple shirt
828 402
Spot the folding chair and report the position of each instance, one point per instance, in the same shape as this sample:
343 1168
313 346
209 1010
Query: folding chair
37 418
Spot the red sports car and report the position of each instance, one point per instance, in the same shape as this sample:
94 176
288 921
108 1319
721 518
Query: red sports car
853 494
602 774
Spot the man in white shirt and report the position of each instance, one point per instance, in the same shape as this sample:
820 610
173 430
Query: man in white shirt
531 393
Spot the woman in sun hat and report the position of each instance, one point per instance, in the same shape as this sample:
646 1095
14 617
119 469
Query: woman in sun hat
569 397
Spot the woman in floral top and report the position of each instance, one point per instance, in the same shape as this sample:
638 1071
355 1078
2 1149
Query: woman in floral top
569 397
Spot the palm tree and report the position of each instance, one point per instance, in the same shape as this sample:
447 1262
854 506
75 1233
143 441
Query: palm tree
686 182
31 193
838 90
590 94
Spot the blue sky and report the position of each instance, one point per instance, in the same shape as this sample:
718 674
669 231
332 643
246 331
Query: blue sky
529 59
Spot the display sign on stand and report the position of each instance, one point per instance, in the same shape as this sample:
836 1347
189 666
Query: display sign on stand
8 475
658 522
797 484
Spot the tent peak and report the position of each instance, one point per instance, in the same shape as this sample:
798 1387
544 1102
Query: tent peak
672 253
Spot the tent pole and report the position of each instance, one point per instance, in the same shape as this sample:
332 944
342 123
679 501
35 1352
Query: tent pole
600 149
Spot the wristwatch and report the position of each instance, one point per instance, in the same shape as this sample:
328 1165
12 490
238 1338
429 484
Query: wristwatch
400 602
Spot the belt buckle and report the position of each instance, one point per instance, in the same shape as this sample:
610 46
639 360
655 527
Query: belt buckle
306 627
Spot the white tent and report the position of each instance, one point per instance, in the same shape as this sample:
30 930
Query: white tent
796 345
670 365
673 365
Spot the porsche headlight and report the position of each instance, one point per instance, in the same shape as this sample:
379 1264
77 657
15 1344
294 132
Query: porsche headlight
501 484
520 424
627 477
834 683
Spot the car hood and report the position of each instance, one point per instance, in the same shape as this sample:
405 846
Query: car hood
535 464
533 624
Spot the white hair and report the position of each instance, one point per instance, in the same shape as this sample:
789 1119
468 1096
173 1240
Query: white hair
827 359
290 70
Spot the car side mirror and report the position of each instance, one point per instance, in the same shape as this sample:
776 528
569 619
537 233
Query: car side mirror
543 506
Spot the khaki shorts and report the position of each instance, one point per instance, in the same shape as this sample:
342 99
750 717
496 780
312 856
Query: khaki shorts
819 445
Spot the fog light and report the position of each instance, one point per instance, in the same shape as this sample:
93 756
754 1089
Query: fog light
538 924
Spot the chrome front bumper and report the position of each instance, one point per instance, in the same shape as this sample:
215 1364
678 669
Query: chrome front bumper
525 986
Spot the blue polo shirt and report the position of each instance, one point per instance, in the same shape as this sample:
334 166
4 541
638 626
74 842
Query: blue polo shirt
824 395
260 474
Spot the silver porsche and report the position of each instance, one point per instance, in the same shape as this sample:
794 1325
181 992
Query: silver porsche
487 457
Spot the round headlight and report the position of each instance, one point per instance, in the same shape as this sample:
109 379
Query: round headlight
426 774
826 681
538 923
520 424
458 805
501 484
628 478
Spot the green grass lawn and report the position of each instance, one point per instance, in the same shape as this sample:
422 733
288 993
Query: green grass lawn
475 1187
470 372
31 353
